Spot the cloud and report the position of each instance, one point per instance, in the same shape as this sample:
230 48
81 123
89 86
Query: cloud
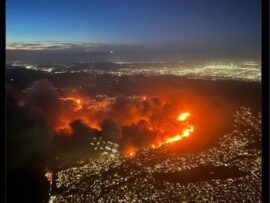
65 46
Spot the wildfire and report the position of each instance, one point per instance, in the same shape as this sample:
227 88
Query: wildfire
186 132
130 152
179 136
62 124
173 139
183 116
170 128
76 101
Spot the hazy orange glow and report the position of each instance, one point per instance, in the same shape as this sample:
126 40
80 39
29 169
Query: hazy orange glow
183 116
185 132
76 101
73 112
130 152
168 127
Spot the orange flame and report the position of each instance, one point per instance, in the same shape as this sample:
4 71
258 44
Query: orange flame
76 101
183 116
173 139
186 132
85 110
130 152
62 124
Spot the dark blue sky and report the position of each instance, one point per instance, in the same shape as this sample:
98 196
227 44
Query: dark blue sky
221 24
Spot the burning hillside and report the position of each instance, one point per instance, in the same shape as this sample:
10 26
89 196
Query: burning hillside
108 117
131 121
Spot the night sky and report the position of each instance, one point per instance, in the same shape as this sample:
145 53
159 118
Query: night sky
195 26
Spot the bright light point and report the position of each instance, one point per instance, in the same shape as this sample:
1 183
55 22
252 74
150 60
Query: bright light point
183 116
131 152
186 132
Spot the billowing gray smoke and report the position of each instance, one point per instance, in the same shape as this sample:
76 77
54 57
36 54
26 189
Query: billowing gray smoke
28 136
111 130
43 96
124 120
